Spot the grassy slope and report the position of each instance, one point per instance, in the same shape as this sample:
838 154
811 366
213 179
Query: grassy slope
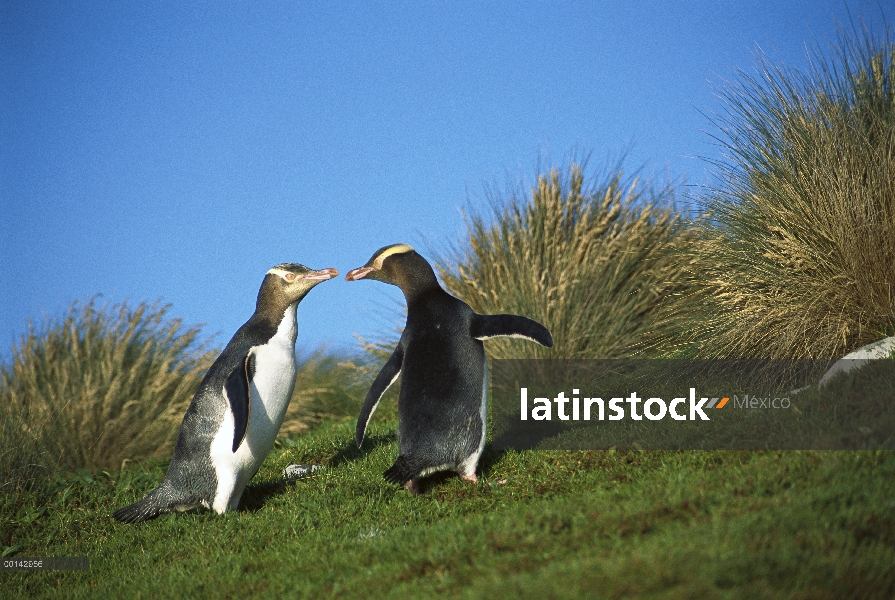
565 524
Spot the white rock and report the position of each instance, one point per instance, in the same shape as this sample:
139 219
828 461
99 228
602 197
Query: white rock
860 357
299 471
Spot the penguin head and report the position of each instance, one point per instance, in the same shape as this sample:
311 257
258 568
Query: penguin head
288 283
398 264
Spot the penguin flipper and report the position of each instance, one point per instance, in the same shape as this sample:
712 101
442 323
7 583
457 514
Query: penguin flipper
238 392
387 376
485 327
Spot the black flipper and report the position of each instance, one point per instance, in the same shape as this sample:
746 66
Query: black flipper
238 393
383 381
484 327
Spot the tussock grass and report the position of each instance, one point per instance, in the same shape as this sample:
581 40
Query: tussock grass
108 384
600 265
800 259
326 385
101 385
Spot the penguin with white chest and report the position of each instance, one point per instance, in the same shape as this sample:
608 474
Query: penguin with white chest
440 358
232 422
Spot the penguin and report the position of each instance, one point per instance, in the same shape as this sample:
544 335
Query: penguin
440 358
237 411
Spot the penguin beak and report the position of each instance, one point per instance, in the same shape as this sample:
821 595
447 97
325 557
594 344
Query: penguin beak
360 273
321 275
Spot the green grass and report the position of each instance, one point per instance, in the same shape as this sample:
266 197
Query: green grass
659 524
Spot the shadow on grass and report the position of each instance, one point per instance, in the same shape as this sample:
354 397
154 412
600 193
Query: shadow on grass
256 495
350 452
489 458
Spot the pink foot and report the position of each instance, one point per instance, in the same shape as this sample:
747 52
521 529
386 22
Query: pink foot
413 486
470 478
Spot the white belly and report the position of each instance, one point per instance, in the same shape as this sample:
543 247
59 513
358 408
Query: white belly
469 465
270 392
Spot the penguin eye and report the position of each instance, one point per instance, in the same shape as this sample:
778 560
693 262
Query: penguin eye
290 277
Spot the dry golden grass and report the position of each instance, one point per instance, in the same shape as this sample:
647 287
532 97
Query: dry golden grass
326 385
102 385
600 267
800 259
110 383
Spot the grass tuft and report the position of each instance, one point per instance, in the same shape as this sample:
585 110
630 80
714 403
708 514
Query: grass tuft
101 385
326 386
599 265
799 261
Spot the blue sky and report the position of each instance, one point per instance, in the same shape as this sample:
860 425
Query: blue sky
177 150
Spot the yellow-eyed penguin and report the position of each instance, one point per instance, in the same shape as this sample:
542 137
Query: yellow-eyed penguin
232 422
442 406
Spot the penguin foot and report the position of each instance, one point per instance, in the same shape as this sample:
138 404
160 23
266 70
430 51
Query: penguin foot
470 478
413 486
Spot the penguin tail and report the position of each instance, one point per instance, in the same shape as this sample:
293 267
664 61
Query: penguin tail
153 504
401 472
